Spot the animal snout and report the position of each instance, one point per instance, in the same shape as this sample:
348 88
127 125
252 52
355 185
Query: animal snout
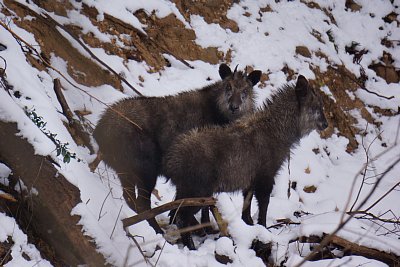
234 107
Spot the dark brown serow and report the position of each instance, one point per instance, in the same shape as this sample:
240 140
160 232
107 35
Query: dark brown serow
135 153
244 155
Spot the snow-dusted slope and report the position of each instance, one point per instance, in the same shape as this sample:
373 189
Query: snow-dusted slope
266 40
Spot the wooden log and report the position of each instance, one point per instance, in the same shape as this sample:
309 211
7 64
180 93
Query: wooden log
196 202
50 209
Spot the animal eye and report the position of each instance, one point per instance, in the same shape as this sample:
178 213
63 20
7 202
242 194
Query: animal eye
244 93
317 112
229 90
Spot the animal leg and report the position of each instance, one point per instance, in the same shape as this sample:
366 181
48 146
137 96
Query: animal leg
246 213
143 202
262 193
184 219
199 232
205 219
185 215
130 197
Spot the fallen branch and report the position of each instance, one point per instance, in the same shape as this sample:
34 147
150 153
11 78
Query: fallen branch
186 202
47 64
352 248
80 136
327 239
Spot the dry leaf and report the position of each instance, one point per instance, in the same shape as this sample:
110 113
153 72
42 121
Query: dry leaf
7 197
310 189
307 170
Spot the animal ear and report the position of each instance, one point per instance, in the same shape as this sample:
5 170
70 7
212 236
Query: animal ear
224 71
301 86
254 76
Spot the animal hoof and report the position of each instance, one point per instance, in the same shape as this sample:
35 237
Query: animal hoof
200 232
211 231
248 220
159 231
188 241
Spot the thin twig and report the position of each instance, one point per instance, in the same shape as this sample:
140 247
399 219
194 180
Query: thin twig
359 84
373 217
102 205
116 220
138 246
329 237
366 150
283 223
383 196
47 64
47 16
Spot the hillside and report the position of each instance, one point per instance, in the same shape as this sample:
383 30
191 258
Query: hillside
335 201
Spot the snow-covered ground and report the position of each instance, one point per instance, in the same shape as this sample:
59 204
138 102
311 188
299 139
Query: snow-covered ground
267 41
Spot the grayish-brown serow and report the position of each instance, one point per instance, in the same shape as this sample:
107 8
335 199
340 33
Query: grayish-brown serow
135 154
244 155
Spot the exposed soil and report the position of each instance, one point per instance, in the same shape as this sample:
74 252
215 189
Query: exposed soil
172 37
385 69
337 111
169 35
82 69
5 251
212 11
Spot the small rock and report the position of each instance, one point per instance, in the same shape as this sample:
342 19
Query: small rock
303 51
310 189
224 250
263 250
353 6
223 259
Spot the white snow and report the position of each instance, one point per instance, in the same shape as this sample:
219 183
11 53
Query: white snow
266 41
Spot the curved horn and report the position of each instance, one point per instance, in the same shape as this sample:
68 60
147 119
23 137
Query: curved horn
235 69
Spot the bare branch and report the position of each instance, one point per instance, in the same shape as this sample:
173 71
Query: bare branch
80 136
138 246
383 196
373 217
366 150
355 249
329 237
48 17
